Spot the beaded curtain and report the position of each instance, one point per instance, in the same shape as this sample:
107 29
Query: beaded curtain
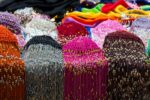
44 69
128 73
85 70
12 73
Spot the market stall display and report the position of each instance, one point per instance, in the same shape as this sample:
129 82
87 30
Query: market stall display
74 50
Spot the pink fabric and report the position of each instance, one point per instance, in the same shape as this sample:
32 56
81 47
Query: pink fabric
21 41
133 6
100 31
85 70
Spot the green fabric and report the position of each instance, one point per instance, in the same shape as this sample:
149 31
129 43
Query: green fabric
96 9
99 6
148 48
145 7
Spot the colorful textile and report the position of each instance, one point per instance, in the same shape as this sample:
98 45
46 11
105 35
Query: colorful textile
85 70
70 30
111 6
96 9
11 22
12 72
128 73
100 31
44 69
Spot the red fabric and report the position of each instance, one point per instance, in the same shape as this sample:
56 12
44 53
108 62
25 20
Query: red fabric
111 6
70 30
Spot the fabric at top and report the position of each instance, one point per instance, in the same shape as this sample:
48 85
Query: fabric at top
142 1
141 28
50 7
100 31
111 6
